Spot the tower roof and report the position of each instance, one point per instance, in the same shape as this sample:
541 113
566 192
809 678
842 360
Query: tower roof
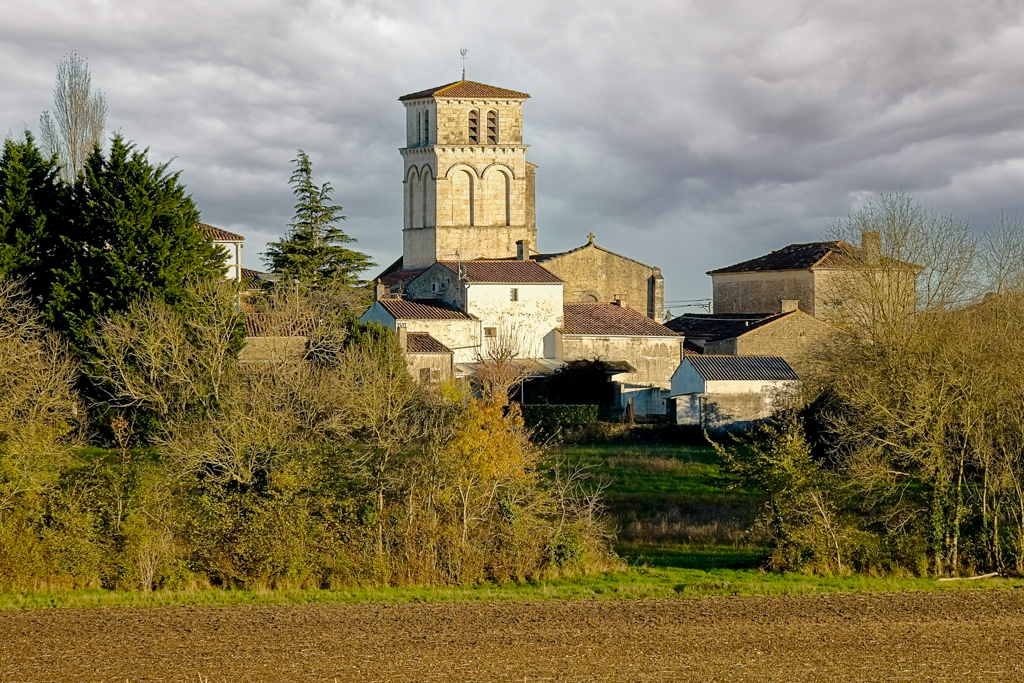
466 89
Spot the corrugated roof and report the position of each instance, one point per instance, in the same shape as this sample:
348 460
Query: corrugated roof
502 271
832 254
421 342
609 319
422 309
742 368
719 325
467 89
217 235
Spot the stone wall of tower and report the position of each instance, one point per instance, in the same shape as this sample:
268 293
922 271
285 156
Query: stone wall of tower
453 121
474 200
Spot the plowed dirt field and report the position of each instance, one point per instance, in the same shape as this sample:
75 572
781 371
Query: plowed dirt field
949 636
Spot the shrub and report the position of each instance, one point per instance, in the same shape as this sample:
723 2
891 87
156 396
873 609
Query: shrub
551 421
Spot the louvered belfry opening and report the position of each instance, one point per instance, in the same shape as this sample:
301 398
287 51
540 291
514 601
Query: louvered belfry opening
474 127
492 127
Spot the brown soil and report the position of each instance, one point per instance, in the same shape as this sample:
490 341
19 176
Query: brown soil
953 636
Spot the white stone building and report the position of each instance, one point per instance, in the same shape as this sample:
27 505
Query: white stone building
231 244
722 391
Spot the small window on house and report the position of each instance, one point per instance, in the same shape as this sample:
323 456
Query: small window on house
514 294
491 332
436 287
492 127
424 375
474 127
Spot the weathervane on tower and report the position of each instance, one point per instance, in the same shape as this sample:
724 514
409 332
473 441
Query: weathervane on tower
463 52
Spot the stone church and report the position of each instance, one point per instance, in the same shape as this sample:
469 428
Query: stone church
471 270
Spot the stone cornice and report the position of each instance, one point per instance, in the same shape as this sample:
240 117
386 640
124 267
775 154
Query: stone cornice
463 149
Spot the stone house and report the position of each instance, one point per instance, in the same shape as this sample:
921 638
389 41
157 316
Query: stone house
457 330
429 361
791 334
516 301
817 276
725 391
647 351
231 244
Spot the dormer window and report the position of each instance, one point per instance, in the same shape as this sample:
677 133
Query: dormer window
492 127
474 127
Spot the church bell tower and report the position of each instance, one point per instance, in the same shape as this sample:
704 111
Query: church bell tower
468 188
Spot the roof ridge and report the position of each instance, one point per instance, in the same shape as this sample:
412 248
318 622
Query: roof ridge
556 254
472 89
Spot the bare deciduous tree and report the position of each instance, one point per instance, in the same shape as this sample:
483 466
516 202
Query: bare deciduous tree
169 360
39 407
500 367
75 128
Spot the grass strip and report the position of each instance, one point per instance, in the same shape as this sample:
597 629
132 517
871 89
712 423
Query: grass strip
634 583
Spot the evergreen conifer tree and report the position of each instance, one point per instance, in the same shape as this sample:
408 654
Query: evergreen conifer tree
313 251
133 233
30 207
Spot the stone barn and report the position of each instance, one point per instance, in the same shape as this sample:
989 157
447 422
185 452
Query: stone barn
719 392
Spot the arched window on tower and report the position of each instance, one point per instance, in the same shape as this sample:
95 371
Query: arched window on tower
492 127
426 127
474 127
419 128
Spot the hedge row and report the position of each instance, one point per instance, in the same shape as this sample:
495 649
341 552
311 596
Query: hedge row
549 421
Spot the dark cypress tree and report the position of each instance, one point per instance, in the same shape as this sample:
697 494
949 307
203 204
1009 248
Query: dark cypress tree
313 251
31 199
133 233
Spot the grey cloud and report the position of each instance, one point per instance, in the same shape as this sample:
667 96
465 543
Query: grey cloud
686 134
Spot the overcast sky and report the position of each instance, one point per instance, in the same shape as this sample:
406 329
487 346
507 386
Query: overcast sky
689 135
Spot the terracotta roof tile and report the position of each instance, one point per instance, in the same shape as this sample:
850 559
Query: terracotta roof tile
279 325
742 368
422 309
254 279
609 319
502 271
217 235
421 342
797 257
397 278
467 89
719 325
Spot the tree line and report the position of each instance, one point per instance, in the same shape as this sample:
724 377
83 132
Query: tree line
906 453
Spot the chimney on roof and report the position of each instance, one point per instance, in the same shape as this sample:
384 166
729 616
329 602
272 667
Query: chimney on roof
378 290
789 305
403 336
523 250
871 245
619 301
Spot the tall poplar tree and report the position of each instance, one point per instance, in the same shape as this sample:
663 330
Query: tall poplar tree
313 250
